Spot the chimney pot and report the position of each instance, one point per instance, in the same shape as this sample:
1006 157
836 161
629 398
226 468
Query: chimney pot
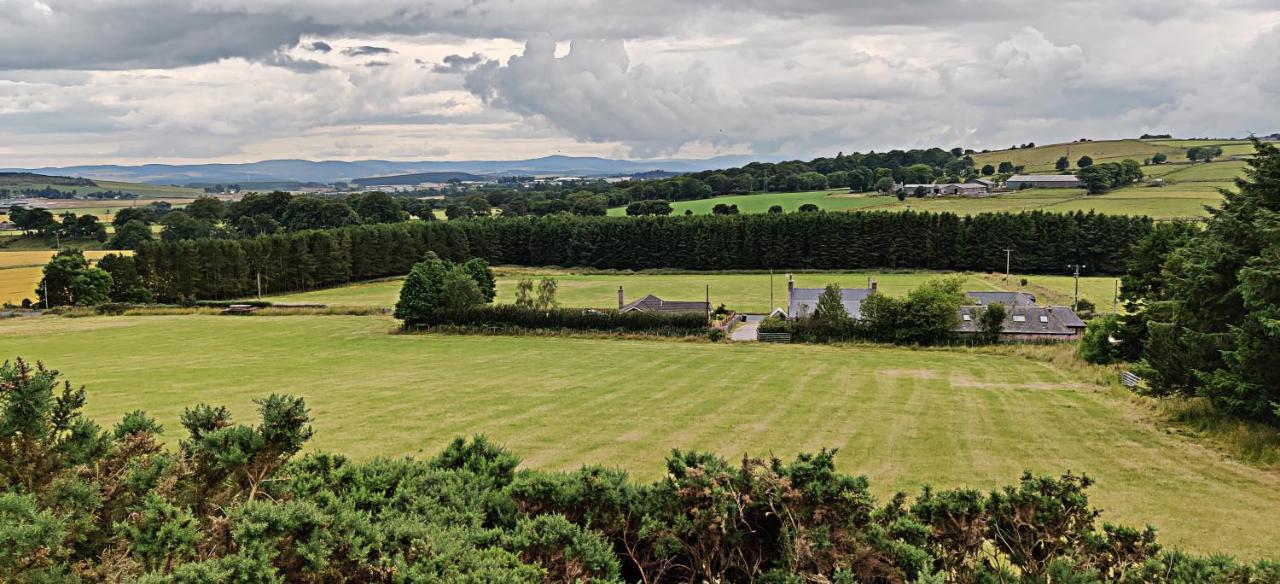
621 302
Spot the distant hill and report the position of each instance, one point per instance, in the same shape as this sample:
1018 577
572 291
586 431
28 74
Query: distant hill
21 179
343 171
417 178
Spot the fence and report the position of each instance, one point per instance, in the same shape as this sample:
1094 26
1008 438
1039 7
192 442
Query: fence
773 337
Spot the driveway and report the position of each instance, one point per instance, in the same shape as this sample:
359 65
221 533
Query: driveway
747 330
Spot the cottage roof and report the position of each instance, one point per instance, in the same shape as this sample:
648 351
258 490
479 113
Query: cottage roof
804 300
1027 320
651 303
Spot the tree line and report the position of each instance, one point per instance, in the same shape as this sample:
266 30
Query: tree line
237 502
1202 303
291 261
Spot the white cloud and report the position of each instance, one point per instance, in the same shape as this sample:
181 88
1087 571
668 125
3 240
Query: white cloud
139 80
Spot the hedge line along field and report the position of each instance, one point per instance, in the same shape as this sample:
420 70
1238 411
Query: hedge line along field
741 292
829 200
903 417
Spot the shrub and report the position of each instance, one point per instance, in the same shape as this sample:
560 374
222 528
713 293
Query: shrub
513 316
1096 345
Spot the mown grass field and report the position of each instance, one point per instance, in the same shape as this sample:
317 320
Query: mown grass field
903 417
741 292
20 272
829 200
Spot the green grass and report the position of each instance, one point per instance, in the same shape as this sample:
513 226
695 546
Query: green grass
741 292
903 417
830 200
1043 158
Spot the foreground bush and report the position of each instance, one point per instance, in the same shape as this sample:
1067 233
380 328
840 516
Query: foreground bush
231 503
517 317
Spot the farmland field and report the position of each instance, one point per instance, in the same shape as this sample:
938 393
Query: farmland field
1042 158
903 417
741 292
20 272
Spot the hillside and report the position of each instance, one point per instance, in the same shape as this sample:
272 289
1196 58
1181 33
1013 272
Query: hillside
1042 158
328 171
16 182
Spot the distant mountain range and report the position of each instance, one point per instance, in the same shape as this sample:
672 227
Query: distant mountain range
330 171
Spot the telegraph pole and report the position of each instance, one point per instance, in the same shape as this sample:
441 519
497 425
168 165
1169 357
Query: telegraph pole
1115 300
1008 256
1077 267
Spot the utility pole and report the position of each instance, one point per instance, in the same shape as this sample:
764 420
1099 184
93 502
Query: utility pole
1008 256
1115 300
1077 267
259 285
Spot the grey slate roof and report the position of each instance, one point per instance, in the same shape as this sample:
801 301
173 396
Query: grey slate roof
1063 178
1027 320
803 300
651 303
1006 298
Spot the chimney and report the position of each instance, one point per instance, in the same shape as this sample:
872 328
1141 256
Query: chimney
871 283
791 286
621 302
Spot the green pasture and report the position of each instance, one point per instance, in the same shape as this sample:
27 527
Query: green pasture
741 292
1043 158
904 417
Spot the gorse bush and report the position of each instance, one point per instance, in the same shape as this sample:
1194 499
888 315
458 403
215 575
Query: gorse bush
1046 242
234 503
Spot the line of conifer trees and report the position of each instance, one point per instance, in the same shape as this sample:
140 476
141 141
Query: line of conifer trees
1042 242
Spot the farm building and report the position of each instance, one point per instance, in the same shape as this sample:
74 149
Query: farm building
1043 181
802 301
966 189
969 189
1029 323
651 303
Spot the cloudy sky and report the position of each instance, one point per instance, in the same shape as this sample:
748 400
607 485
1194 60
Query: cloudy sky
130 81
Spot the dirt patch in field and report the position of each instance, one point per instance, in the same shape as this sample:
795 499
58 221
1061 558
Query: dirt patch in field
910 374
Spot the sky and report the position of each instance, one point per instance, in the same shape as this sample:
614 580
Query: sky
186 81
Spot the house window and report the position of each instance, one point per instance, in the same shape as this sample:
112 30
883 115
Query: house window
967 318
1019 318
1044 319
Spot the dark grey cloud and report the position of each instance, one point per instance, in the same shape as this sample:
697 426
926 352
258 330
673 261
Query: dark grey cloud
366 50
795 77
459 64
